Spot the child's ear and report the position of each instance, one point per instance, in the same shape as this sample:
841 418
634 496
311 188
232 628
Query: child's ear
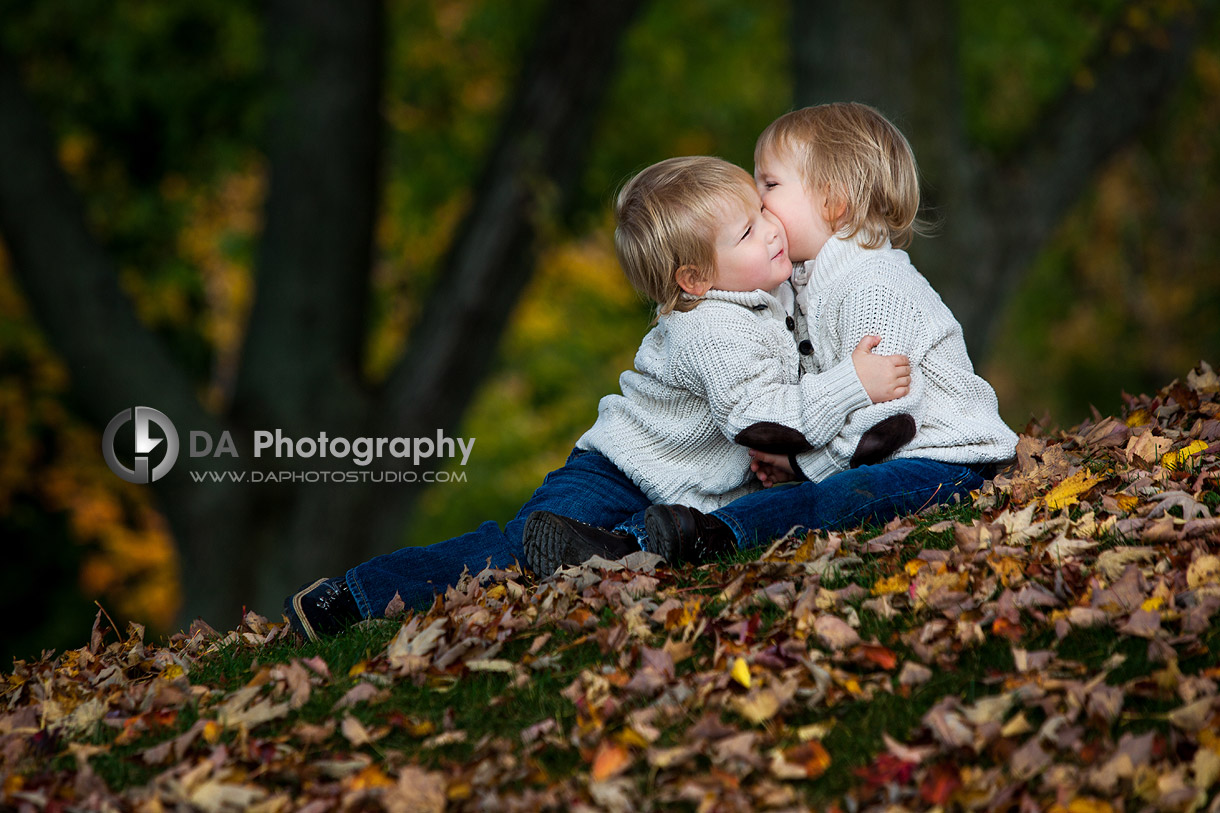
691 279
834 207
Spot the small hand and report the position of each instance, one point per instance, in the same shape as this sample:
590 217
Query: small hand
884 377
771 469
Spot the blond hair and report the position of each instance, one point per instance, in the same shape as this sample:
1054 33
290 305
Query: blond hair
667 218
861 161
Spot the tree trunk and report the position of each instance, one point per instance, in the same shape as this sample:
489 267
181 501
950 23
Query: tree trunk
995 212
247 545
532 172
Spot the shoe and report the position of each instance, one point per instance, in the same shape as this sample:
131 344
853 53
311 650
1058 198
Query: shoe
683 534
552 541
326 607
882 440
773 438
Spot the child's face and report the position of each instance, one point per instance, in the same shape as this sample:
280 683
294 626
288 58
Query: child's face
805 214
751 250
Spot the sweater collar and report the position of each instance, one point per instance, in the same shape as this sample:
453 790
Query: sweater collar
756 300
838 255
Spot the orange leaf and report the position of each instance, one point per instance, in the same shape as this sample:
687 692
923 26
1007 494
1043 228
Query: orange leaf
610 760
878 654
811 756
1006 629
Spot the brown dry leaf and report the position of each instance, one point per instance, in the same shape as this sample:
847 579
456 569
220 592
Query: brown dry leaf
235 713
835 632
417 791
1203 572
396 607
410 647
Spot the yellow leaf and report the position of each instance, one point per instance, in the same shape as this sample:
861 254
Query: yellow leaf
1152 604
1174 460
741 672
1088 804
1138 418
1126 502
632 738
915 565
497 592
894 584
1068 492
370 777
211 731
459 791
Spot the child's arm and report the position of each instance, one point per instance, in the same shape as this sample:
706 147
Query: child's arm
744 379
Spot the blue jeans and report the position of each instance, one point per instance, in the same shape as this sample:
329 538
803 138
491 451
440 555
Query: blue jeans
867 494
588 488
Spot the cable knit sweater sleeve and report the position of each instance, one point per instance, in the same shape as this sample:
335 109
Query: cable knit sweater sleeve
742 371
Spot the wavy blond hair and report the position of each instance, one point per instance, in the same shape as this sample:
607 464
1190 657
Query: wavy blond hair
667 218
861 161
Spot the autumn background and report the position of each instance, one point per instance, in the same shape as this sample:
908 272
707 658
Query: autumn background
386 219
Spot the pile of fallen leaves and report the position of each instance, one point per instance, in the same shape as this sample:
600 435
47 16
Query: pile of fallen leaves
1092 564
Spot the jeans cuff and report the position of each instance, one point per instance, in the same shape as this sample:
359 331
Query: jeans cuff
638 532
362 602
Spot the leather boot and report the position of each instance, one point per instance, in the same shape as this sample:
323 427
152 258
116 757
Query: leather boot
552 541
326 607
682 534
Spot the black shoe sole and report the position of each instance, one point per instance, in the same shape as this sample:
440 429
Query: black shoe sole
549 545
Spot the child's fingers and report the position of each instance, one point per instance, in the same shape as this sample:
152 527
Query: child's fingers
899 360
867 344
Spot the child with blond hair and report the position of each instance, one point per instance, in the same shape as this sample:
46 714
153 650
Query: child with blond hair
720 368
843 181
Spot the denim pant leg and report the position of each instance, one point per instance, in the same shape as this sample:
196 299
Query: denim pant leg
869 493
588 488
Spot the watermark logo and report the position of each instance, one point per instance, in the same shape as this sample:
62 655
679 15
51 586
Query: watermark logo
145 443
337 455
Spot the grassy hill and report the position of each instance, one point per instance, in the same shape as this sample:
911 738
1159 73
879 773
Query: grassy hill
1049 645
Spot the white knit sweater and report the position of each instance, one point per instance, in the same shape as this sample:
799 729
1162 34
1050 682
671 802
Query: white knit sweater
848 292
702 376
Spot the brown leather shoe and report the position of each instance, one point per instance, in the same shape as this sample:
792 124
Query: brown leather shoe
552 541
773 438
882 440
682 534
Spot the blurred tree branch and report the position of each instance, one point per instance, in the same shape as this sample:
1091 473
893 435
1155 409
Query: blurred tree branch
997 210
